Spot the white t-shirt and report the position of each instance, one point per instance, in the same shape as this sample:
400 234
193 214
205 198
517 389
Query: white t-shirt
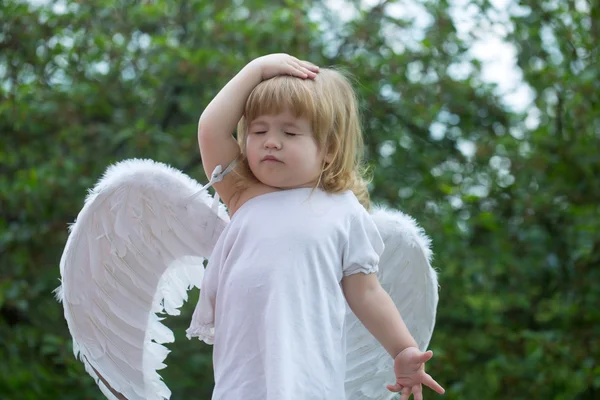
272 292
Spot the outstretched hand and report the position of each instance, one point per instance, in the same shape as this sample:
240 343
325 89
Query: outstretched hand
283 64
409 367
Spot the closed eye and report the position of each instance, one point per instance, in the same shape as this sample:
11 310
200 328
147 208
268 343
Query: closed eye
291 134
260 132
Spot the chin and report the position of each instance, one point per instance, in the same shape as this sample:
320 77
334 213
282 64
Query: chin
276 183
268 180
282 182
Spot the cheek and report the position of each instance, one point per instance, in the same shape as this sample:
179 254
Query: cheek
250 148
299 153
307 156
312 151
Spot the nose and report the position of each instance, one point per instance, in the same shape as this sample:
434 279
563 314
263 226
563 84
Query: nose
272 142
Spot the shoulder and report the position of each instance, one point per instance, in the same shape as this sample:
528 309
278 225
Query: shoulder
350 206
356 215
346 212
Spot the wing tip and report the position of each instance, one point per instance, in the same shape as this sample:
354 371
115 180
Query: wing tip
389 220
59 293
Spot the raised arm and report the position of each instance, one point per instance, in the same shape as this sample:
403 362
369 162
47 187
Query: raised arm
219 119
217 124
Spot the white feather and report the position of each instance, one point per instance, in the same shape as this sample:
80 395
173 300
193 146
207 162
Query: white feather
406 274
137 246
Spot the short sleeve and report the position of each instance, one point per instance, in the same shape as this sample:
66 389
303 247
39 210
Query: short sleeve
363 247
203 319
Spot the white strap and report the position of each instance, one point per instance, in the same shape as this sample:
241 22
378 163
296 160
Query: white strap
217 176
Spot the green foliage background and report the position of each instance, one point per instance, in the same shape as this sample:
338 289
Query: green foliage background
515 223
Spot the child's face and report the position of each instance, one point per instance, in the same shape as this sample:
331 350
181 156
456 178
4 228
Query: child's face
283 152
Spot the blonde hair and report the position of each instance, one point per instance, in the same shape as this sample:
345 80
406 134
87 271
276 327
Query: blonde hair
330 104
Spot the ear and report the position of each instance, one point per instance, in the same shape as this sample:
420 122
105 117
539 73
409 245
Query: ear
328 157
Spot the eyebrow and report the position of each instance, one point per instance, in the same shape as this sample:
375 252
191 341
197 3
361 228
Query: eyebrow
292 124
286 123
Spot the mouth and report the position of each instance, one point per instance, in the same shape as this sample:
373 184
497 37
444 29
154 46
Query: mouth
271 158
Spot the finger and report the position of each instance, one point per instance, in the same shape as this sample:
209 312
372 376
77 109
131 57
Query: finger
405 393
394 388
417 392
430 382
424 357
310 73
304 73
295 71
296 65
310 66
304 63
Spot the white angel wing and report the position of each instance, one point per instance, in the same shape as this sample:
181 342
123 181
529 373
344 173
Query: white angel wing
135 249
406 274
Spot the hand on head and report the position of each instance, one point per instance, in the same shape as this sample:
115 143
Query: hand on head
283 64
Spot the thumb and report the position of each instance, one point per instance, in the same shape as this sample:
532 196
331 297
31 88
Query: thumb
424 357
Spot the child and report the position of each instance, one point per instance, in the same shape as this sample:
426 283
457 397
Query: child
300 243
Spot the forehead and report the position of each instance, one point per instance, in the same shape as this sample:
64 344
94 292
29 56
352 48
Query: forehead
282 118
